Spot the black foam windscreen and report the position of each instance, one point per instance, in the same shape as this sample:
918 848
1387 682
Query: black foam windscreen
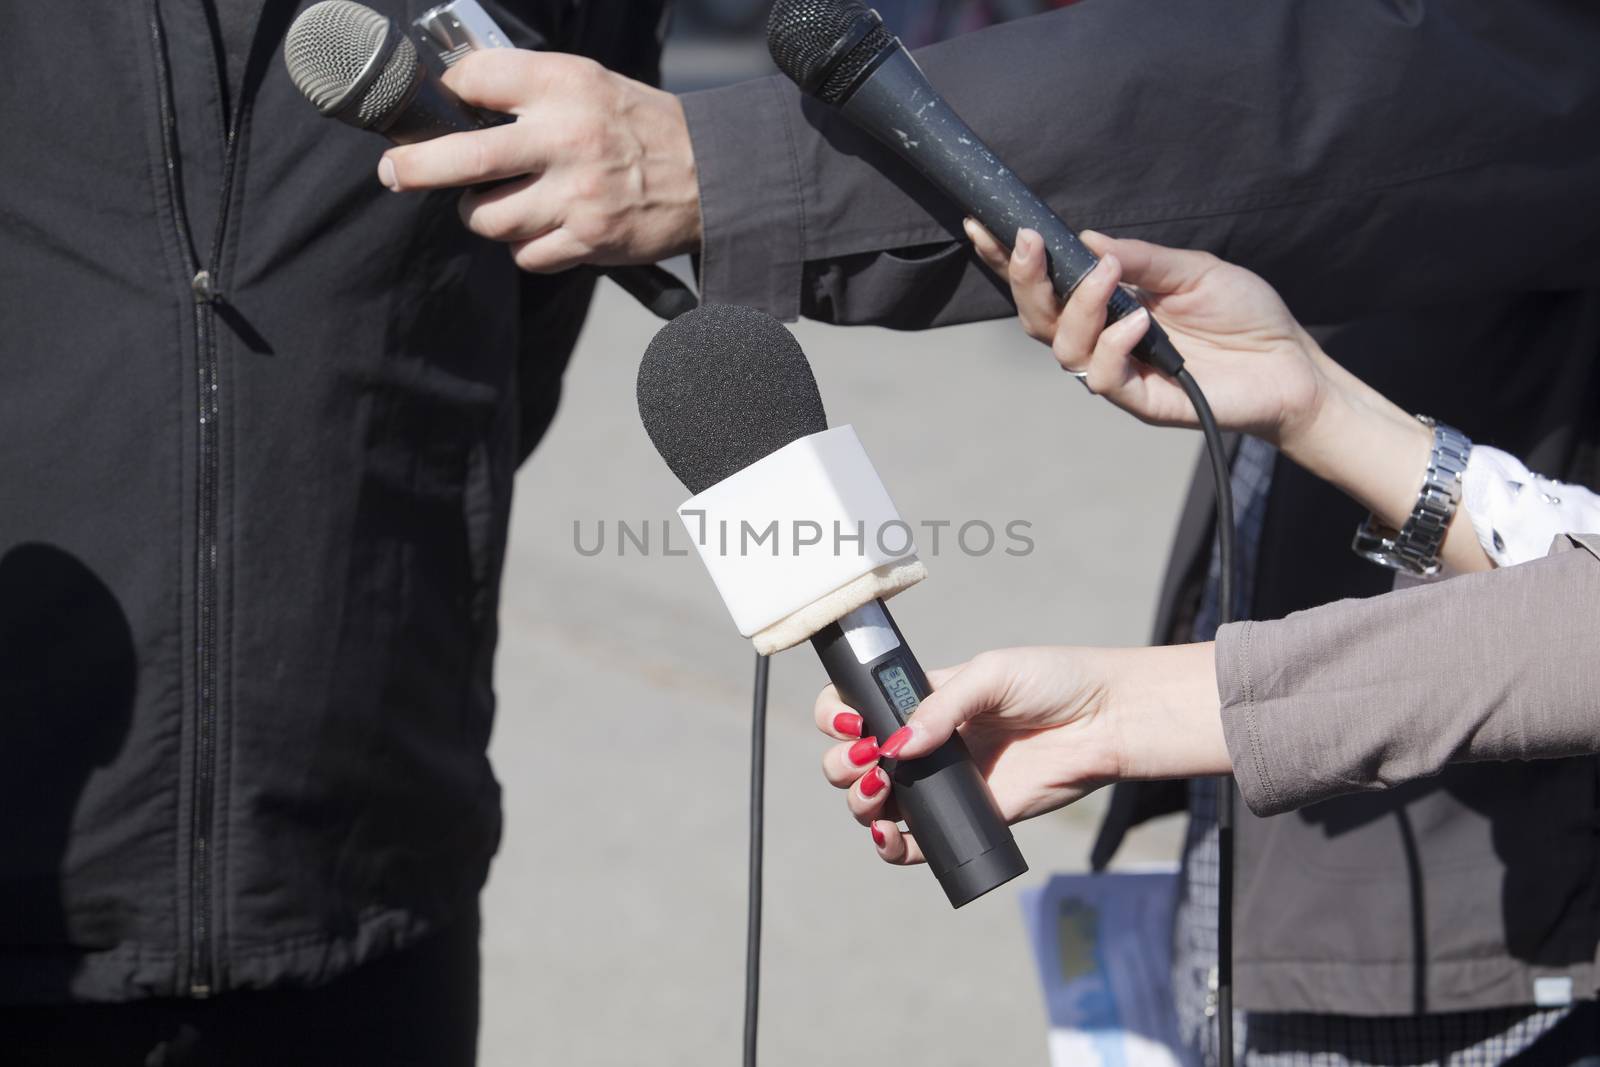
804 37
723 386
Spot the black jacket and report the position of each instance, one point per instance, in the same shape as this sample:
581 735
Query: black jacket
258 424
1424 173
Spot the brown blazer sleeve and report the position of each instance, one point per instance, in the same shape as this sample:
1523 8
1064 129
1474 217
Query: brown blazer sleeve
1366 694
1305 140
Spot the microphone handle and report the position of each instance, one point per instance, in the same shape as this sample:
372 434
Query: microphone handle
896 104
434 111
942 797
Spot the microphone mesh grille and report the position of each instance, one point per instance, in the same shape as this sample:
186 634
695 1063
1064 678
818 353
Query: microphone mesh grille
328 46
844 72
389 91
801 34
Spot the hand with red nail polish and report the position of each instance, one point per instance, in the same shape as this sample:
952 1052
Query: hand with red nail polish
1046 726
897 741
894 844
852 765
863 752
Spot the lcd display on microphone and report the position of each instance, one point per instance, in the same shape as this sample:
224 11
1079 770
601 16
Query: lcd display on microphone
899 689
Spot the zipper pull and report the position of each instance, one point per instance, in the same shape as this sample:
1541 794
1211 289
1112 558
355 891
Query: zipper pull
204 291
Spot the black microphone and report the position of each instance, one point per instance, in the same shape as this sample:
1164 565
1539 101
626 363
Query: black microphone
839 52
359 67
725 394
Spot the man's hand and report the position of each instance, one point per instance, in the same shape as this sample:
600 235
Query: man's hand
602 167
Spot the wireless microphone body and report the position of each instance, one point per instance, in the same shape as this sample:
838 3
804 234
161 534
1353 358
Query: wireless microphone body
945 801
730 402
840 52
364 69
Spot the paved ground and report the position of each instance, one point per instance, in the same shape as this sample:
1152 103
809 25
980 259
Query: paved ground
615 913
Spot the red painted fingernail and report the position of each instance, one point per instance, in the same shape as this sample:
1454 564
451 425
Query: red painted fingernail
872 783
897 740
864 751
877 836
847 723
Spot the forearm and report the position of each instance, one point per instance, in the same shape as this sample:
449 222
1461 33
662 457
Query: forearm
1367 694
1120 116
1163 709
1375 452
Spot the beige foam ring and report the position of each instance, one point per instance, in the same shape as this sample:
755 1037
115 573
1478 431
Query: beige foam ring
880 583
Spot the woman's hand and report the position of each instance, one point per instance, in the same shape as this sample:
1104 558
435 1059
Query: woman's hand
1262 372
1046 726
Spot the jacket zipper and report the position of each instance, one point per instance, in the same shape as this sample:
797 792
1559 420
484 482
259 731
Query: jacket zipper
205 760
206 293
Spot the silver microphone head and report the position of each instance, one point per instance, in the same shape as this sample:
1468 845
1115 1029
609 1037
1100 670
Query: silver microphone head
351 62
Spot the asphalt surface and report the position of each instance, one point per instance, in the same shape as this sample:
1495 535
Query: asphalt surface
614 921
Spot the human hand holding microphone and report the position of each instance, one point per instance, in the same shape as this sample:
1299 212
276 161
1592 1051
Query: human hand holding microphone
1046 726
1049 725
591 177
1265 375
596 168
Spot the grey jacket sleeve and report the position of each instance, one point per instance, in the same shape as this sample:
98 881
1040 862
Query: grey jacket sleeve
1366 694
1329 147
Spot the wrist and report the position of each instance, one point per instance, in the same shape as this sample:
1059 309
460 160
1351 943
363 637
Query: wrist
1363 444
1164 712
680 176
1341 404
1305 407
658 201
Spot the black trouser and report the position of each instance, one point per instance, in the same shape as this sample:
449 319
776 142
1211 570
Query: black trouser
417 1008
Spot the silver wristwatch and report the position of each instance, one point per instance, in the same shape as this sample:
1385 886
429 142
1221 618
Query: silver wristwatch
1414 548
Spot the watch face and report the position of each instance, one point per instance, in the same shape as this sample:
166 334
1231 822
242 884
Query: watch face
1376 544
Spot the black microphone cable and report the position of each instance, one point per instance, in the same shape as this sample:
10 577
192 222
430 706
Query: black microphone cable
752 937
1225 578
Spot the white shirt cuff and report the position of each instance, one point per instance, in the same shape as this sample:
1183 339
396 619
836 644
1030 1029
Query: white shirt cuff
1517 513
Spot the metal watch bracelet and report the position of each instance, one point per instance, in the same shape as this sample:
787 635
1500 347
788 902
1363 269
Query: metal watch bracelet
1414 548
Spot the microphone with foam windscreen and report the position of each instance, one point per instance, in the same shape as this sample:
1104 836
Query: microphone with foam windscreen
362 68
839 52
729 401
